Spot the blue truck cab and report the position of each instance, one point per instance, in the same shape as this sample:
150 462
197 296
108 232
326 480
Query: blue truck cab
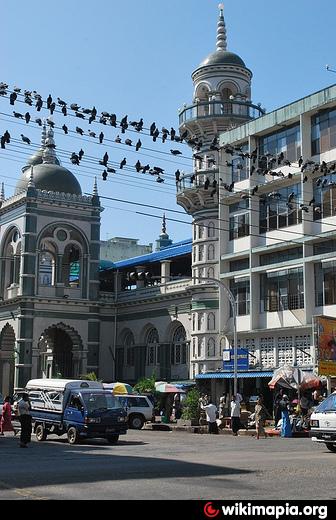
79 409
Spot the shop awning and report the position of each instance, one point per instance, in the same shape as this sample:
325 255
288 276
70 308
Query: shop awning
230 375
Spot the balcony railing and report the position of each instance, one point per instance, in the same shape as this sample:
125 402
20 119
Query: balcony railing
239 109
197 179
286 302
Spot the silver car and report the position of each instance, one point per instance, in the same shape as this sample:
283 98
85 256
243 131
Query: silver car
140 409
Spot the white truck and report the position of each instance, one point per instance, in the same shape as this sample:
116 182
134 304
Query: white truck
323 422
80 409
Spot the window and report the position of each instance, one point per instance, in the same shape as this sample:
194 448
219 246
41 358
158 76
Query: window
129 347
137 402
239 164
241 292
283 290
199 320
324 193
200 253
211 252
211 350
281 256
276 212
194 343
211 321
240 265
239 226
323 132
326 246
201 231
179 347
152 345
325 283
211 272
211 230
287 141
328 405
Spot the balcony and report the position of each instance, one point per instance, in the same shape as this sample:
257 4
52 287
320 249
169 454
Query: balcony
197 179
285 302
232 109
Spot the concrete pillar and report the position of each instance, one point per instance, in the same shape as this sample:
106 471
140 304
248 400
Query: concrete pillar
165 271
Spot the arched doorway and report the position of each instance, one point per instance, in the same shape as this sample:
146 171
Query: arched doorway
7 359
61 350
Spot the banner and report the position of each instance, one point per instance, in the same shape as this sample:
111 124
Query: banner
325 327
242 359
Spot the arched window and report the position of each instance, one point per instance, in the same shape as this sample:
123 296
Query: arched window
211 349
211 252
129 347
195 232
71 266
211 272
179 347
199 320
194 343
194 254
193 321
47 268
152 343
211 230
200 253
211 321
11 263
201 231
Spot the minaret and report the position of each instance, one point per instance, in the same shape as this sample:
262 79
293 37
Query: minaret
163 240
221 100
49 154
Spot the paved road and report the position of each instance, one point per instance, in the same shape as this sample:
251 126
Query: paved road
168 465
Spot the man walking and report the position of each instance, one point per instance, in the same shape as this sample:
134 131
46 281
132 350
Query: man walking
210 410
235 415
25 419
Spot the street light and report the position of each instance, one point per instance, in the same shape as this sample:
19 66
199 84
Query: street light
234 315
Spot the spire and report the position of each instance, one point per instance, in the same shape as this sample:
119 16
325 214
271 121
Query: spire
2 194
221 43
164 227
43 135
49 155
95 188
31 183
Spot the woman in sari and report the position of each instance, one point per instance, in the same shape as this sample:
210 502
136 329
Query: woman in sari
6 419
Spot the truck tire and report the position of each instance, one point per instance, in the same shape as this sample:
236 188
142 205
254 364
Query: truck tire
72 434
40 433
112 439
331 447
136 421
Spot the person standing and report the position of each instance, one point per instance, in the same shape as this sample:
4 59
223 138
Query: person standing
222 404
6 419
286 428
210 411
25 419
235 415
260 417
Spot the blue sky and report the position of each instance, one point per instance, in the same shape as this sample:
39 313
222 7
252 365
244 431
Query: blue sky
135 57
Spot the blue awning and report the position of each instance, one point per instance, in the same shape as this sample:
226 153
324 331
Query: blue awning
230 375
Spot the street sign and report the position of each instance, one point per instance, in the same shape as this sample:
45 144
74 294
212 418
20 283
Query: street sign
242 359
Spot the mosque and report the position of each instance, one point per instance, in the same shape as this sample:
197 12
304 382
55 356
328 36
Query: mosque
177 312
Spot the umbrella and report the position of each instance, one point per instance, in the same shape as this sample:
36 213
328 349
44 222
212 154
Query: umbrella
118 388
165 388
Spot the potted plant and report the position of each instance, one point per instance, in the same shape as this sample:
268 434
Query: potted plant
191 410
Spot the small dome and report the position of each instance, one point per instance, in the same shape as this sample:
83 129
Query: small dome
50 177
220 57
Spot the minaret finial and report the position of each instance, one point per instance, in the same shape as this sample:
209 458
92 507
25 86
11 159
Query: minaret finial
164 226
43 134
49 155
31 183
221 43
95 188
2 194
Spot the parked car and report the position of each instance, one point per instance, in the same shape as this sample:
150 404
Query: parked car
323 422
139 410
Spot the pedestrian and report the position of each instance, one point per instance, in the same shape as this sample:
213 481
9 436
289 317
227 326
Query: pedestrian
286 428
25 419
260 417
276 407
6 419
210 412
222 404
235 415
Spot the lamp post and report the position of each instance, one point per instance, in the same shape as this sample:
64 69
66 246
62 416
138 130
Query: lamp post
234 316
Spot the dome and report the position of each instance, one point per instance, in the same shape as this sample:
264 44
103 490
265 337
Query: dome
50 177
221 57
37 158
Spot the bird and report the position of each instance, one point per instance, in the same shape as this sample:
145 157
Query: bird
164 137
105 114
156 134
65 129
61 102
104 175
111 170
139 126
172 134
2 142
105 159
49 101
79 114
123 163
7 136
102 120
12 98
206 184
28 100
91 118
177 175
254 190
74 158
17 89
92 134
159 179
145 168
39 104
18 115
80 154
79 130
138 145
117 139
152 128
93 111
25 139
128 142
305 178
138 166
123 124
291 196
52 107
300 161
184 135
304 208
158 169
74 106
64 110
50 123
101 137
312 201
27 117
175 152
113 120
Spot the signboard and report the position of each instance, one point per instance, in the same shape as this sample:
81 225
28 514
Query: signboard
242 359
325 328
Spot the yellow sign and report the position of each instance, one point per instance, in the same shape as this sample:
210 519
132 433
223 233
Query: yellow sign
326 345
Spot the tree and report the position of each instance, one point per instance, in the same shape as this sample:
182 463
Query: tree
91 376
191 405
146 385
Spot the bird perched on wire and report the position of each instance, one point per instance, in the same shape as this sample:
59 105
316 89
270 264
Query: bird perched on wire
64 110
74 158
101 137
18 115
74 106
123 163
92 134
79 130
79 114
117 139
177 175
104 175
138 145
80 154
159 179
152 128
123 124
138 166
49 101
12 98
139 126
111 170
105 159
175 152
156 134
172 134
158 169
25 139
128 142
39 104
61 102
65 129
27 117
113 120
28 100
